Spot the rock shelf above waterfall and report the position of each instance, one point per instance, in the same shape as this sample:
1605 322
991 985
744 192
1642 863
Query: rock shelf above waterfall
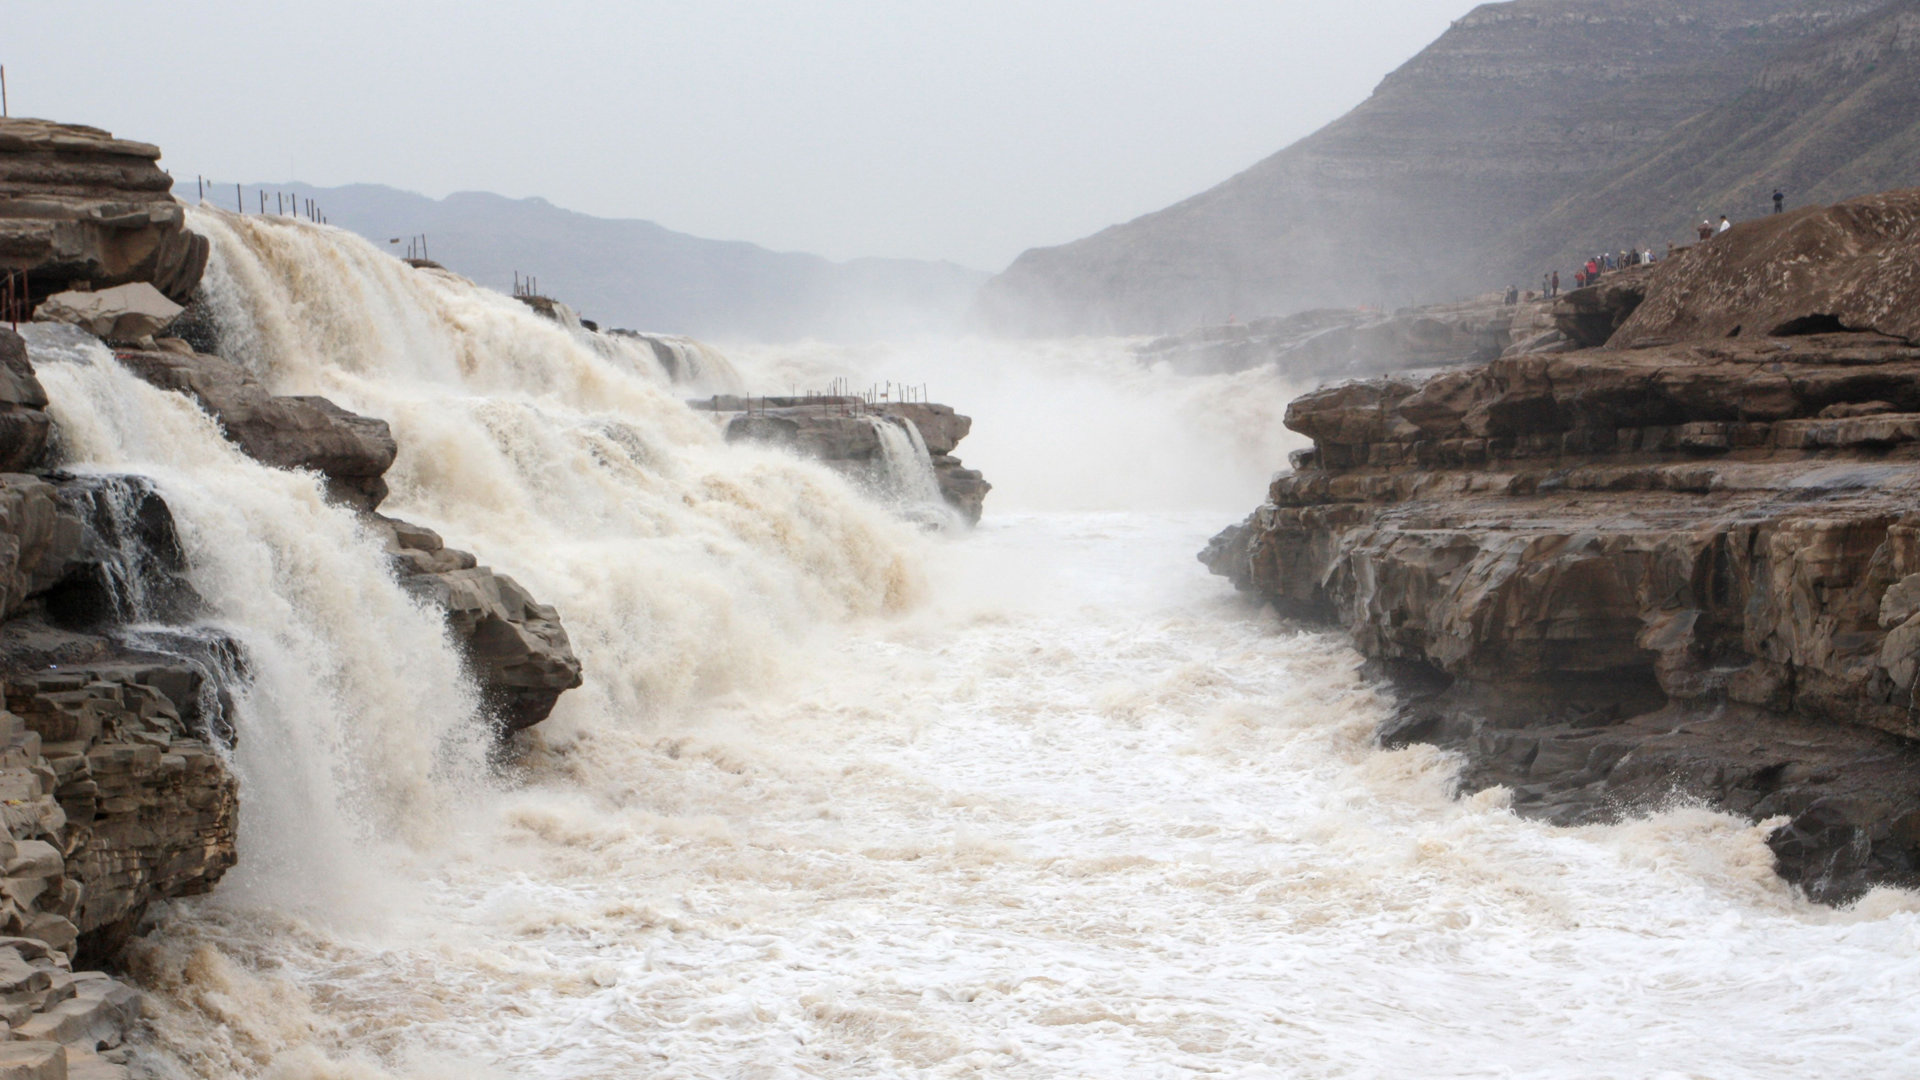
1617 575
839 430
78 206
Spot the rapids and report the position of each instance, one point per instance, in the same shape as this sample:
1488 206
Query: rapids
844 799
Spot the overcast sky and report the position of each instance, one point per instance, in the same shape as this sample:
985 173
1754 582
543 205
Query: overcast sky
965 129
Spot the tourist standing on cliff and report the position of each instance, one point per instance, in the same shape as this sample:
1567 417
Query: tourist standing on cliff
1705 230
1556 284
1779 201
1724 223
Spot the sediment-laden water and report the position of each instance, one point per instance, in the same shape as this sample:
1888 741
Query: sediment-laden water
845 799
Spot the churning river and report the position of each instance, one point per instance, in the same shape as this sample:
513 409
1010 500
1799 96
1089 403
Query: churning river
844 799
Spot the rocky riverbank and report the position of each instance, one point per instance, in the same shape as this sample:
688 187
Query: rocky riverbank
1685 563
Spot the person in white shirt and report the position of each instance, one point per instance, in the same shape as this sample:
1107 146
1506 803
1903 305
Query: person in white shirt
1724 223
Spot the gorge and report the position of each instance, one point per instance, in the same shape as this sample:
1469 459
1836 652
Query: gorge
403 679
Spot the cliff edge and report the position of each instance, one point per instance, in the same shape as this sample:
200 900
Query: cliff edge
1684 564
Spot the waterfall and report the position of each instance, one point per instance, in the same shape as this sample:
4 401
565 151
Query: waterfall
906 471
686 362
679 564
356 725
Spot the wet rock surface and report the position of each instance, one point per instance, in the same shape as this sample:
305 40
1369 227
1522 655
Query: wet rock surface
24 423
515 646
113 789
80 206
1614 577
840 432
353 452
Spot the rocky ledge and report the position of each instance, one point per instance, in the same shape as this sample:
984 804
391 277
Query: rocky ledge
840 431
79 207
1679 565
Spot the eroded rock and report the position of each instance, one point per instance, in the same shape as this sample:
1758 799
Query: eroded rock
840 432
1612 576
352 452
24 423
515 647
80 206
123 313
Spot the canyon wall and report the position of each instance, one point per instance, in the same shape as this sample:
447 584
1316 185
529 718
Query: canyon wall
1684 564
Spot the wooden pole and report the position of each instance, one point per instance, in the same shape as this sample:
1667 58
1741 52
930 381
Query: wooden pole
239 202
3 91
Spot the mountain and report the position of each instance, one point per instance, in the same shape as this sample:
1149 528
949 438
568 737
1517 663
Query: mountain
1829 120
1425 190
641 275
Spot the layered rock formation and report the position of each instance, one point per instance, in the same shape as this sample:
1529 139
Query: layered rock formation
78 206
114 792
841 431
1825 120
1618 575
1443 176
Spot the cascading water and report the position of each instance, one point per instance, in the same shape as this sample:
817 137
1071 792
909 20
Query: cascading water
689 363
1078 812
907 480
356 724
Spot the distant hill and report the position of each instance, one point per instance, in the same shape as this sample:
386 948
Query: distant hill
1434 186
643 276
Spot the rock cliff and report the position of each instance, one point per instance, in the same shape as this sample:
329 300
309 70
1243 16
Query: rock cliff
80 206
1617 575
116 794
1443 175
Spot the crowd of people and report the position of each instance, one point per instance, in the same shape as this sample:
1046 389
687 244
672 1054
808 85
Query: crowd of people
1606 262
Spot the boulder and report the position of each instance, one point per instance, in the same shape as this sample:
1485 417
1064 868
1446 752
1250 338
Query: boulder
1851 266
78 205
351 451
515 647
123 313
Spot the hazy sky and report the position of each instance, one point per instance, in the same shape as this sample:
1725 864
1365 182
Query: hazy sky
967 129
